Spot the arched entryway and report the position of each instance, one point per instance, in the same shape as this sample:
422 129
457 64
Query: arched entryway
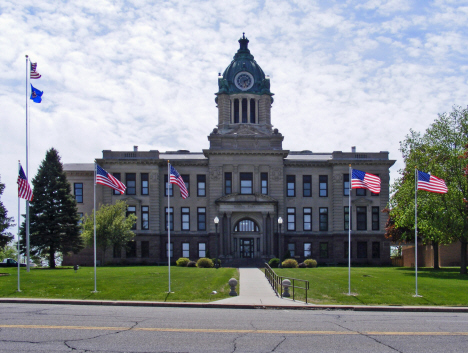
247 234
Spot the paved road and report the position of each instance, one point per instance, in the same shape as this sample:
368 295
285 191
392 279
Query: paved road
83 328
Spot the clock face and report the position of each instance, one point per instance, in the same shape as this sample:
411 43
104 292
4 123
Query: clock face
244 80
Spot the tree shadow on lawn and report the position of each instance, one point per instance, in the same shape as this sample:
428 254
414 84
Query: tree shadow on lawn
442 273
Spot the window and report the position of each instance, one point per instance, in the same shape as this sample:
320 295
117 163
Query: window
323 251
361 217
361 192
201 185
171 218
323 218
291 185
346 184
145 249
252 111
244 110
236 111
185 215
145 217
131 249
79 192
170 251
375 218
292 249
168 187
227 183
130 179
376 250
264 182
116 176
307 185
186 179
80 218
117 253
246 225
291 218
144 184
307 218
201 218
246 183
201 249
346 249
307 250
346 218
323 185
362 250
132 210
186 250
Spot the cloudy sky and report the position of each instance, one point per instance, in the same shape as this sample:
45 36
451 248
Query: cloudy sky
144 72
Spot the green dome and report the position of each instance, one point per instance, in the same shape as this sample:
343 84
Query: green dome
249 75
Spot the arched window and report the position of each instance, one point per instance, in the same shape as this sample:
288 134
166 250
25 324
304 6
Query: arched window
244 110
236 111
246 225
252 111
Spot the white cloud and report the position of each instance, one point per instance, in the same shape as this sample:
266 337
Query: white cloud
122 73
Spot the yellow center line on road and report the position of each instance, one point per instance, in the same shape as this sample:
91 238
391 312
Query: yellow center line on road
200 330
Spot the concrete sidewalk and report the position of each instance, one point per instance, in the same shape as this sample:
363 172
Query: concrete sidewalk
256 290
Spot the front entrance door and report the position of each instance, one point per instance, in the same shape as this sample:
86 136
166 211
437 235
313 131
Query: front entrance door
246 247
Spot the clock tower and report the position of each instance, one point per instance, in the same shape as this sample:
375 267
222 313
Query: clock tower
244 106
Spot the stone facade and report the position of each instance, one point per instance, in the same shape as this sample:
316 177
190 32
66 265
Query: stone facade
248 181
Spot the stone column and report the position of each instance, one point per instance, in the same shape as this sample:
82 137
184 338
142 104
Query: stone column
265 234
229 235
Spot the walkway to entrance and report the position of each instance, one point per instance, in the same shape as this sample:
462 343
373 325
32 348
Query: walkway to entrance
255 289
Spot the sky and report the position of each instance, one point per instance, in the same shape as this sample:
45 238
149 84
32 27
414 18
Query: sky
118 74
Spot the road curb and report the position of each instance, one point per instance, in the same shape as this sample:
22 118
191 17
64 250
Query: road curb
214 305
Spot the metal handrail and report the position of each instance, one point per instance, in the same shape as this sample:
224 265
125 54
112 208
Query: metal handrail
276 282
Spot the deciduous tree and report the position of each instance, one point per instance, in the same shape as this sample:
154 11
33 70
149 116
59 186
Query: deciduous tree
442 218
113 226
5 222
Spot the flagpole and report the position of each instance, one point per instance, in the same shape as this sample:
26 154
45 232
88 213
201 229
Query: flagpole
27 168
168 248
416 228
95 286
349 229
18 243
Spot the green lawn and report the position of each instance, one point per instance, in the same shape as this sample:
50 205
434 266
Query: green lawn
147 283
382 285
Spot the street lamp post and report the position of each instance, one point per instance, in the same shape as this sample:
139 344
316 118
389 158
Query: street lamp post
216 221
280 223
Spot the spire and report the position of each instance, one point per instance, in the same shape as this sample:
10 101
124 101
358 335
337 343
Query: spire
244 42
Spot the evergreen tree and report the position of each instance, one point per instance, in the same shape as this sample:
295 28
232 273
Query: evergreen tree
53 212
5 222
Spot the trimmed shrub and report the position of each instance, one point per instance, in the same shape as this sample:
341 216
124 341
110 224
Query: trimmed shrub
310 263
302 265
192 264
204 262
274 262
182 262
289 263
216 261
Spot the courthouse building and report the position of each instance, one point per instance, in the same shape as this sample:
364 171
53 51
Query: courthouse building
268 201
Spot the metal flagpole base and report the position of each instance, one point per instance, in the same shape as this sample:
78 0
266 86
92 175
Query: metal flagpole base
94 291
417 296
19 290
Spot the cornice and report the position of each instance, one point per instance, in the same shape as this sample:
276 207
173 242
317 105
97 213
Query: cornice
282 153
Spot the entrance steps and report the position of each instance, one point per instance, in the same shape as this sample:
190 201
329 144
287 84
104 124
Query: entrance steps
248 263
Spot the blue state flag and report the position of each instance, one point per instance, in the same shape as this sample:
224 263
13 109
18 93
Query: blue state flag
36 95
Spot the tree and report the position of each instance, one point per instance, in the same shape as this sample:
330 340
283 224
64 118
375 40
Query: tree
442 218
5 222
54 220
113 227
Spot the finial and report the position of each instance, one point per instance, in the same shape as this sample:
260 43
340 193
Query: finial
243 35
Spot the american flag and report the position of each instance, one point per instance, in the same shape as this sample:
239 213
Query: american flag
34 73
104 178
363 180
431 183
177 179
24 189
